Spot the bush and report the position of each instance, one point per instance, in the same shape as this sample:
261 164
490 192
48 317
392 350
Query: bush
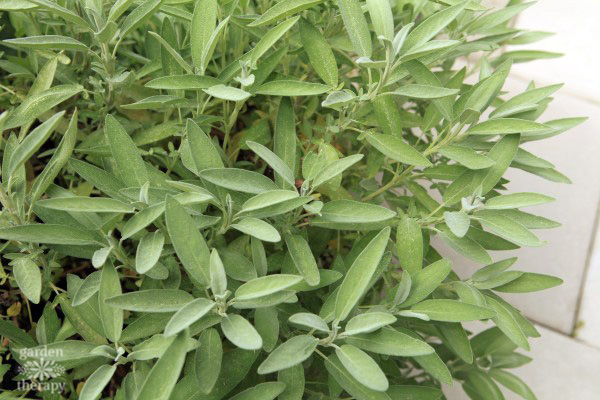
243 199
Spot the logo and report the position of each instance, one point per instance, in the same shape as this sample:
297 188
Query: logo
39 370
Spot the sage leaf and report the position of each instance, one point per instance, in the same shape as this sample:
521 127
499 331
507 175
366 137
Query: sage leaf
303 259
258 229
188 242
452 310
187 315
368 322
359 275
362 367
149 251
396 149
112 319
151 300
161 379
282 10
240 332
319 52
208 360
290 353
356 27
95 384
265 286
29 278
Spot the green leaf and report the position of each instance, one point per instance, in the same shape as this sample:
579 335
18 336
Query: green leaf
507 228
50 234
502 153
86 204
240 332
513 383
65 13
395 148
257 228
290 353
353 215
517 200
272 203
163 376
151 300
423 91
430 27
310 321
362 367
467 157
319 52
187 315
208 360
303 259
218 279
458 222
338 372
452 310
291 88
89 287
188 242
265 286
204 153
270 38
391 342
130 164
505 126
507 323
96 383
284 140
493 19
204 22
409 245
112 319
529 282
335 168
356 27
54 42
283 9
212 43
172 52
382 18
29 278
266 321
266 391
137 17
410 392
359 275
278 165
456 338
368 322
141 219
294 380
39 103
227 93
425 281
480 385
183 82
465 246
148 251
239 180
33 142
16 335
532 96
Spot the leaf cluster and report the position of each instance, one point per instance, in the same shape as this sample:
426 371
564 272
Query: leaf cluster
208 199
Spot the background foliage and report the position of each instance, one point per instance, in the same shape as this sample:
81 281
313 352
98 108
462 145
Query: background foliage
236 199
